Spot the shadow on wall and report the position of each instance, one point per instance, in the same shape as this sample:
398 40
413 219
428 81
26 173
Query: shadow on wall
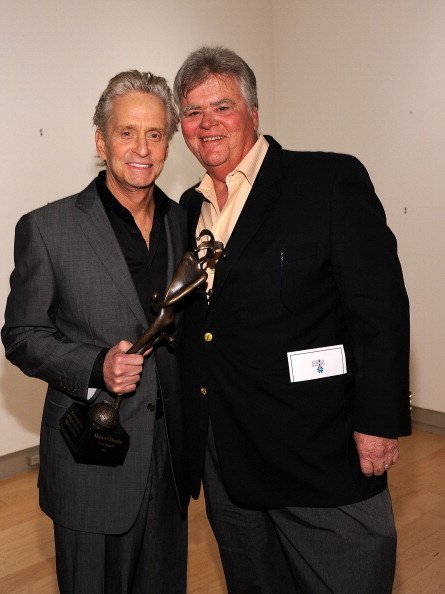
21 397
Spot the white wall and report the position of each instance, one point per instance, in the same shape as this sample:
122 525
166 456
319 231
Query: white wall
56 57
359 76
367 77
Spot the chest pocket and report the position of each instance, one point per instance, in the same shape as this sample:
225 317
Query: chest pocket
298 269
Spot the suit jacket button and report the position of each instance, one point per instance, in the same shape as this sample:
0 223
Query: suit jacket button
151 407
208 336
203 391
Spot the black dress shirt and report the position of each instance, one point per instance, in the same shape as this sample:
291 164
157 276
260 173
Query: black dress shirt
147 263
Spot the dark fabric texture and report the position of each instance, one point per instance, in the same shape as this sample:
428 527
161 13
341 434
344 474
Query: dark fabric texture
311 263
72 295
150 557
342 550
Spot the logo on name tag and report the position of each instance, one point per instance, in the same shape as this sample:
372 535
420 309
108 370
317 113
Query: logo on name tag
313 364
319 364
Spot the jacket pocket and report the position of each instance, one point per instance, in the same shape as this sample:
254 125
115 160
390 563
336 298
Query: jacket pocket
53 411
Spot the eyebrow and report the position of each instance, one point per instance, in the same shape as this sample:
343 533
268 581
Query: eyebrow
134 127
192 107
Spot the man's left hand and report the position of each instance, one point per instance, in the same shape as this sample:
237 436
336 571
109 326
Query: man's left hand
377 454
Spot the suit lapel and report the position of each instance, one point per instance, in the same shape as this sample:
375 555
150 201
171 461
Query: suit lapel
192 201
97 229
265 191
174 247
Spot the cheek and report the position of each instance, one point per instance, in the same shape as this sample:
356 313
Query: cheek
161 156
191 143
162 159
188 130
114 153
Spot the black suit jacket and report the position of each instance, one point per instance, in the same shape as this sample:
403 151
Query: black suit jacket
72 295
310 264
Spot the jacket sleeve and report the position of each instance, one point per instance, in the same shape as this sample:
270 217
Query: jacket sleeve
30 334
370 281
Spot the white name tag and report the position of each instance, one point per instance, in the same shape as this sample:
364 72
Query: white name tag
316 363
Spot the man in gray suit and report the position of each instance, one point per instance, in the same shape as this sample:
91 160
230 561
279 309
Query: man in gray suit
86 267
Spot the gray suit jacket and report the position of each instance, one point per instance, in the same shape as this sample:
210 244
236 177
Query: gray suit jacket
72 295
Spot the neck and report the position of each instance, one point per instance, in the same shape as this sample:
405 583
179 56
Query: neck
133 199
220 173
139 202
143 216
221 191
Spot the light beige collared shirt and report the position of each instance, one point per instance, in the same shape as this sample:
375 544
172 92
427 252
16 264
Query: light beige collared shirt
239 183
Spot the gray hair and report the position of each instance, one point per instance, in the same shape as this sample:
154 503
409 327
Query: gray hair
204 62
143 82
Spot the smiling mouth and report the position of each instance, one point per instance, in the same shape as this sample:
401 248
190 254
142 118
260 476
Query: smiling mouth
140 165
209 138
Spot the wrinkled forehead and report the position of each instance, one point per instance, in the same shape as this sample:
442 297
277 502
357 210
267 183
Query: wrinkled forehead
135 106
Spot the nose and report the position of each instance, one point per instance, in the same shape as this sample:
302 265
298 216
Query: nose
142 147
208 120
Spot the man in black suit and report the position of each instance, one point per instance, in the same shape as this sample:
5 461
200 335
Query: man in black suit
86 268
296 361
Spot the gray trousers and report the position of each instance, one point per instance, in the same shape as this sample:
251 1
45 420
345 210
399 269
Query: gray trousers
342 550
151 558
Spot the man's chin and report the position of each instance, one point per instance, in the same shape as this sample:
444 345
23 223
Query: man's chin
140 184
212 161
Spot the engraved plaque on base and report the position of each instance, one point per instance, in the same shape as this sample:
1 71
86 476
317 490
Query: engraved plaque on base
89 442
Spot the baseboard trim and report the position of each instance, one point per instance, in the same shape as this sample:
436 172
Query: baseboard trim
432 421
17 462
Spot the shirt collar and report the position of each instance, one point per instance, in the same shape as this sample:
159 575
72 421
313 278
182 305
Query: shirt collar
248 166
112 204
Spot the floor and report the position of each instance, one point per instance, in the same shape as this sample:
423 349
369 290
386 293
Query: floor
417 485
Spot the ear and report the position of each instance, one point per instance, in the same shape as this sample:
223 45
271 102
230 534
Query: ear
255 118
100 144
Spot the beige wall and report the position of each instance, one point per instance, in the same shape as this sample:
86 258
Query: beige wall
56 57
358 76
367 77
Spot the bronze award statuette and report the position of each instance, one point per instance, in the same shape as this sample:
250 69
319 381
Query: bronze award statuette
94 433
